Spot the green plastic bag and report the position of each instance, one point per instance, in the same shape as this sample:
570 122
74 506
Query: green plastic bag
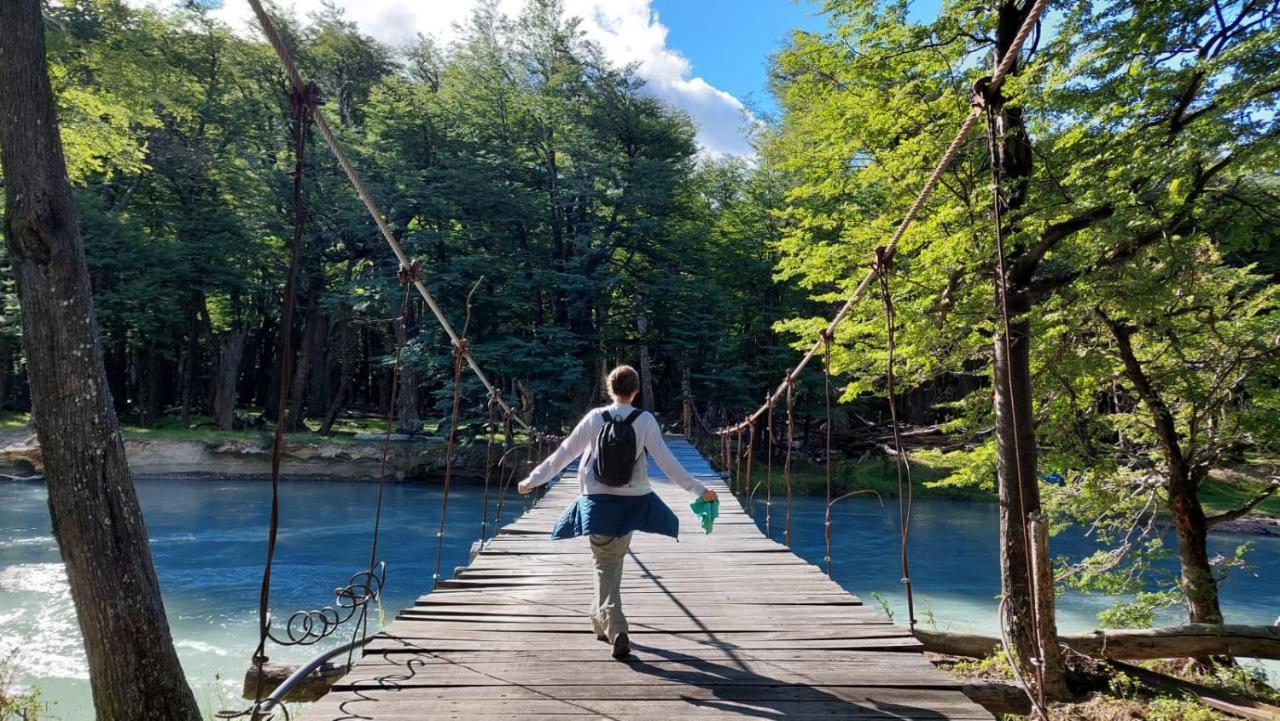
706 511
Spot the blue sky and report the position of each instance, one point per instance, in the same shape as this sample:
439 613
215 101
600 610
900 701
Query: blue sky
729 43
707 57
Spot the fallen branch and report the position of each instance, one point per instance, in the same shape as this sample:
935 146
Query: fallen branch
1219 700
1195 640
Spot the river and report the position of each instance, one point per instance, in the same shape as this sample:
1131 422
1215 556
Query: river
208 544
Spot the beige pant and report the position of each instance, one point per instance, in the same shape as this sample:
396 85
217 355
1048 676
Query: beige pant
607 554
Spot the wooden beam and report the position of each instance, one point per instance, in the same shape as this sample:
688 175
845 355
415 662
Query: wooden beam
1188 641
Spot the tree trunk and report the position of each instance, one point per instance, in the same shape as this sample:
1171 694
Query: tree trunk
1199 587
646 375
407 400
189 358
230 353
686 403
133 669
1027 602
1019 499
309 350
344 372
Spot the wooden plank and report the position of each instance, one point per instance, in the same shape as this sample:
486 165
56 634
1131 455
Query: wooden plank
723 626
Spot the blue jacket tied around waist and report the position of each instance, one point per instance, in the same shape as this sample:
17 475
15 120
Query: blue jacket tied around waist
613 515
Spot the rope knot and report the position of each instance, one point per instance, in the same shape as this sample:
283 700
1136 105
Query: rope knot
461 348
412 274
883 262
983 96
308 98
826 336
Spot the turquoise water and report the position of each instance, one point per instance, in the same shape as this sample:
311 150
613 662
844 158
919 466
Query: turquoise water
954 556
208 543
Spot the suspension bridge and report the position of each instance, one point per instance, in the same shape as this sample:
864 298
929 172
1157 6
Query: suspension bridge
723 626
727 625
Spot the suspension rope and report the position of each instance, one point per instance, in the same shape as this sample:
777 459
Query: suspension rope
786 465
948 156
751 444
737 460
492 428
988 100
458 353
302 102
906 496
826 396
295 79
505 472
768 489
400 331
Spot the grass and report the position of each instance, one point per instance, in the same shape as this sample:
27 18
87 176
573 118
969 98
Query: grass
13 421
1223 491
170 428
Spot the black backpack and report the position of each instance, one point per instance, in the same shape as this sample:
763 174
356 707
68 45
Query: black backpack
615 451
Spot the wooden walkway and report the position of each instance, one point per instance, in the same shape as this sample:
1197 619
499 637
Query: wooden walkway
726 626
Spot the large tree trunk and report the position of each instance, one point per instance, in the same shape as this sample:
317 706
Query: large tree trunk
230 353
310 352
344 372
133 669
1027 604
407 399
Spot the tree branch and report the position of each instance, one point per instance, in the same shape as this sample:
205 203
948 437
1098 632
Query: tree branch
1244 510
1026 263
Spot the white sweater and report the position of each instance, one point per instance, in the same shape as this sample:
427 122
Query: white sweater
580 442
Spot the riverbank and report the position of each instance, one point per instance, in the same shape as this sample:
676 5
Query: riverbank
1225 489
354 454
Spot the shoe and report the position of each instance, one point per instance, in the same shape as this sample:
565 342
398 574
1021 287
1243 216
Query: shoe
602 638
621 646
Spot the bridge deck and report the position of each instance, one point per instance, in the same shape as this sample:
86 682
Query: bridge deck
726 626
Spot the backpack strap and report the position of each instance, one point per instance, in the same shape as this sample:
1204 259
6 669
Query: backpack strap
607 418
633 415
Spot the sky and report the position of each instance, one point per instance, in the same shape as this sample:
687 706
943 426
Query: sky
706 57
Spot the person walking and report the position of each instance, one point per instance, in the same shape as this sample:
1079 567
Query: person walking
616 499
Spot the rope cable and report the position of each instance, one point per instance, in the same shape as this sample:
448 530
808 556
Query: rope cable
326 132
1037 696
906 496
768 492
391 409
492 428
826 395
301 113
948 156
786 465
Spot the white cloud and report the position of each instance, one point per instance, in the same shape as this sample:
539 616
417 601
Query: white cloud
629 31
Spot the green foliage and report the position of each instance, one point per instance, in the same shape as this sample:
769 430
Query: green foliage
1151 204
17 705
515 154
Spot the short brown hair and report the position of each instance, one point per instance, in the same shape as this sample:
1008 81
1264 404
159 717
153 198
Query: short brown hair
623 382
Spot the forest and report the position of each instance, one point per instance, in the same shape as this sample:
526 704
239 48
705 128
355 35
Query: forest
1089 302
517 165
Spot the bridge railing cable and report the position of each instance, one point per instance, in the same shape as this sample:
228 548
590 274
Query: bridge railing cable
984 90
335 146
890 248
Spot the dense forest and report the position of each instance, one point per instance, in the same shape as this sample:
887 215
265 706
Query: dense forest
515 161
